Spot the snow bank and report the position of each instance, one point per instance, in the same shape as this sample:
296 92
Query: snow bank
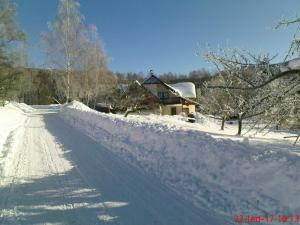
219 174
12 116
212 126
20 107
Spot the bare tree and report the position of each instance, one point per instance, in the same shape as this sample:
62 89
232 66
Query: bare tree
21 64
94 68
62 42
273 88
217 102
233 71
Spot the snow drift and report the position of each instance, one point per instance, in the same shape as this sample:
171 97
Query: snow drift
12 116
219 174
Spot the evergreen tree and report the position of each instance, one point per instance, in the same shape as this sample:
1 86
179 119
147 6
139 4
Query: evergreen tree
9 35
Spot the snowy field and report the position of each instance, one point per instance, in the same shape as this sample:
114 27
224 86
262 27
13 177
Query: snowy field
72 165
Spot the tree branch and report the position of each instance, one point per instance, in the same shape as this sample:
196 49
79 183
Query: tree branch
275 77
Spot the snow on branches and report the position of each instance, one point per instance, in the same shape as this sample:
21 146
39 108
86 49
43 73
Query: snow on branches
265 92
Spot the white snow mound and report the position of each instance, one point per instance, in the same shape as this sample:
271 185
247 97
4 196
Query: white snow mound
218 174
12 116
21 107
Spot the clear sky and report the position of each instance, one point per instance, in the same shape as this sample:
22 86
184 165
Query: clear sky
164 35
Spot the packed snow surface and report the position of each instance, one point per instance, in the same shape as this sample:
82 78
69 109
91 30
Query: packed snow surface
208 170
12 117
53 173
184 89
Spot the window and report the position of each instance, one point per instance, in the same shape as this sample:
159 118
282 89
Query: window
163 95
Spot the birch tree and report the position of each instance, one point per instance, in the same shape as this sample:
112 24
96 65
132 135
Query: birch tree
62 42
95 73
21 65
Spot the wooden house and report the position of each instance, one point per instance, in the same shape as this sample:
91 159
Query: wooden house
174 99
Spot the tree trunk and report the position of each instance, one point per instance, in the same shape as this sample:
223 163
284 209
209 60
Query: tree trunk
240 123
128 111
68 86
223 122
94 103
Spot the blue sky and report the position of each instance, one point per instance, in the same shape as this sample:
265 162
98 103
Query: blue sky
164 35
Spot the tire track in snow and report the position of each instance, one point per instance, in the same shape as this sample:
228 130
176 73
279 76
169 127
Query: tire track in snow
54 162
105 207
105 210
53 165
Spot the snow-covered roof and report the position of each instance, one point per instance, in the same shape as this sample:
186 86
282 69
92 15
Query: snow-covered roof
184 89
293 64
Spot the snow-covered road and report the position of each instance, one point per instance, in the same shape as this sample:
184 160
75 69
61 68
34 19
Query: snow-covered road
51 173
